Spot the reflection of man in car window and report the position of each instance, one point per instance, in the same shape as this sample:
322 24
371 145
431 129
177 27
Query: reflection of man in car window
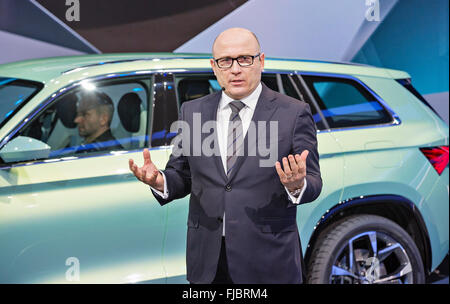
94 114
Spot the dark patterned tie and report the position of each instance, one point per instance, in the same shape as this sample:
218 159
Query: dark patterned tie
235 136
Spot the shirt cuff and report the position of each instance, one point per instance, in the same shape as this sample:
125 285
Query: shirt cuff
164 195
296 200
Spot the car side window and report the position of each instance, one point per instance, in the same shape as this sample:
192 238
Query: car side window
94 118
345 102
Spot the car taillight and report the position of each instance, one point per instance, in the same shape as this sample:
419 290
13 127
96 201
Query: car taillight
438 157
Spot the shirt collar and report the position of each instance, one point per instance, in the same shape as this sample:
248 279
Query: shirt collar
250 101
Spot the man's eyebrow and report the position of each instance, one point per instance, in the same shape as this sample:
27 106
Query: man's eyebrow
236 56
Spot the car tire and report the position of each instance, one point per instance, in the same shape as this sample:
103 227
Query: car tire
356 238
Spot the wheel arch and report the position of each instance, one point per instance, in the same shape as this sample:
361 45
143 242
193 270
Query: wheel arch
394 207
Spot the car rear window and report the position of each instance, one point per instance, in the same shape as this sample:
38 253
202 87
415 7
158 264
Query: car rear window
14 93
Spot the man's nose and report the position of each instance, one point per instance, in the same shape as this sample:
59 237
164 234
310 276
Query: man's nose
77 119
235 67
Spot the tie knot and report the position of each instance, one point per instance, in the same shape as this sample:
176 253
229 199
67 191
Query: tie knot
236 106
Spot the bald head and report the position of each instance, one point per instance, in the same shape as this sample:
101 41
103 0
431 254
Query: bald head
241 78
234 35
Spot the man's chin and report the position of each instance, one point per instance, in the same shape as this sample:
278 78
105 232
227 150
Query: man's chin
238 92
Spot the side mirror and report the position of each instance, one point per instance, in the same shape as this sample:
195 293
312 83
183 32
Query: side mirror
24 148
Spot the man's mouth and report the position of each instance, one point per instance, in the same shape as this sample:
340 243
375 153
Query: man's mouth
237 82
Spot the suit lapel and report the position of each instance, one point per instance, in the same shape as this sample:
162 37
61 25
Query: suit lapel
265 108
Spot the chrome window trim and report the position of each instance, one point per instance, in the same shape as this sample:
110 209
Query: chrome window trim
82 67
319 61
55 95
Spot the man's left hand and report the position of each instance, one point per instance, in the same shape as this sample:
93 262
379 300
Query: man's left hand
293 173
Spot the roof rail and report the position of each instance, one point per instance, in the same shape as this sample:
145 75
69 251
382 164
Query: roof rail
319 61
203 57
130 60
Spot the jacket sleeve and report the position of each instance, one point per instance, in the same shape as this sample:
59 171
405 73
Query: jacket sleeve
177 172
305 138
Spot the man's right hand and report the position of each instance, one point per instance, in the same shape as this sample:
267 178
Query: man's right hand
148 173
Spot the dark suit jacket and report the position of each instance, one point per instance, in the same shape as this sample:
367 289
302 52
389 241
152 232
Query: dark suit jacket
262 239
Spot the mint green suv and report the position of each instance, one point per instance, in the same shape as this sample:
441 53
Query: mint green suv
70 213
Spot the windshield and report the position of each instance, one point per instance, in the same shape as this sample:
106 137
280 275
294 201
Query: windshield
13 94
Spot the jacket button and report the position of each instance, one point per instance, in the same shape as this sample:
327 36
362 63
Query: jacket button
228 188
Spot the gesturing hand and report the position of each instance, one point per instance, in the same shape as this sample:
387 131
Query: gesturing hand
148 173
292 176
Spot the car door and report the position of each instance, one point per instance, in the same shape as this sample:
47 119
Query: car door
82 217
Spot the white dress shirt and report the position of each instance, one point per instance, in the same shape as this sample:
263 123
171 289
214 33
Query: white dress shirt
223 117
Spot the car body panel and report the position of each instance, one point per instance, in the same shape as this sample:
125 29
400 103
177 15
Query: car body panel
51 206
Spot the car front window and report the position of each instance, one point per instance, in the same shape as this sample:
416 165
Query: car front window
14 93
109 115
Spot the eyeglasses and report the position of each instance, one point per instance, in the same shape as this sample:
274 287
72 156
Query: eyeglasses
243 61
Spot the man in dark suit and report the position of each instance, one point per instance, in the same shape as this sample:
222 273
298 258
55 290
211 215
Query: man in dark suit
242 215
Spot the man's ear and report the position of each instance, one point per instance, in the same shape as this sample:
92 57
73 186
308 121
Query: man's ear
262 57
213 66
104 119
